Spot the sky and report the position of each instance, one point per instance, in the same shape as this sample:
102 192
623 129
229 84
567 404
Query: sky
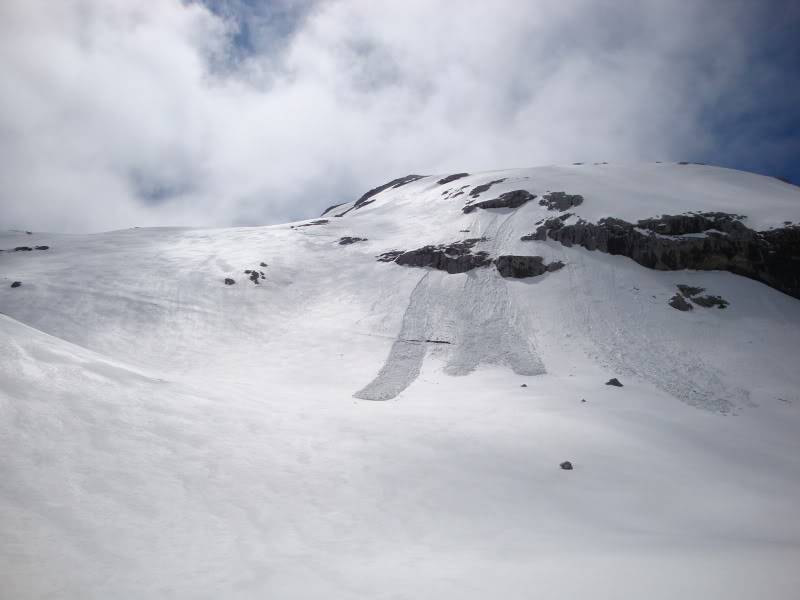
122 113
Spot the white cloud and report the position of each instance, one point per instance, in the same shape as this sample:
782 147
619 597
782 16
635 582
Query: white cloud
117 113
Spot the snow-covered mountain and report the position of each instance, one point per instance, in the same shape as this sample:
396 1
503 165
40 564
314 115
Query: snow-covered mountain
191 413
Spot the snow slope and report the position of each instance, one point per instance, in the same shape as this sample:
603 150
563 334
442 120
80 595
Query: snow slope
165 435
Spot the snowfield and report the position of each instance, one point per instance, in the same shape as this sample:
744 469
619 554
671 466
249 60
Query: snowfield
349 428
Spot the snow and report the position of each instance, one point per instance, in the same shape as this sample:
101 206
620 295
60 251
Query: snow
165 435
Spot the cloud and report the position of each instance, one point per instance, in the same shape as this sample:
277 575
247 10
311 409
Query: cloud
117 113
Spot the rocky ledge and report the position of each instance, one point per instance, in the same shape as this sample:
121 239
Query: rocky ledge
513 199
458 257
702 241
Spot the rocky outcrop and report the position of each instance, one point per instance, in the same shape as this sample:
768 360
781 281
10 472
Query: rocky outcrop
701 241
692 293
389 256
368 197
519 267
330 208
310 223
450 178
709 301
560 201
513 199
347 240
484 187
679 302
453 258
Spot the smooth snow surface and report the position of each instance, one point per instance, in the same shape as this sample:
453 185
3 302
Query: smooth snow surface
163 435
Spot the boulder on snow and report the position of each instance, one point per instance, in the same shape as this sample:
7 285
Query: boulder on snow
614 381
524 385
42 248
229 281
16 284
23 249
566 465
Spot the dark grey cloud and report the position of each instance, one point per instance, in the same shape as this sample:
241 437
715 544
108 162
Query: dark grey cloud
116 113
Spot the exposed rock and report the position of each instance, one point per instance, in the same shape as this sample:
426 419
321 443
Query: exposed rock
680 303
614 381
453 177
566 465
510 265
368 197
254 275
389 256
330 208
560 201
229 281
42 248
709 301
672 242
484 187
16 284
453 258
524 385
344 241
310 224
263 264
23 249
689 291
513 199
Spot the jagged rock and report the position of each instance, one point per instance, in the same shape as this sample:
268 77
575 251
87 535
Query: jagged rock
614 381
689 291
555 266
560 201
344 241
566 465
513 199
484 187
16 284
229 281
772 257
453 258
453 177
709 301
680 303
23 249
